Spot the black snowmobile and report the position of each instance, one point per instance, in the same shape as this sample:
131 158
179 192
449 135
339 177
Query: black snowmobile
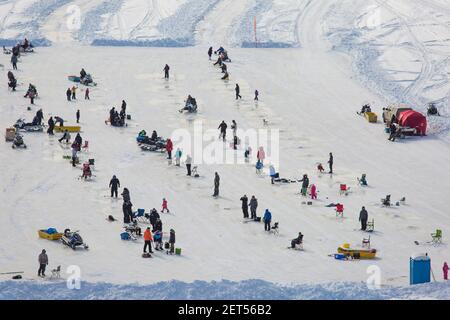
73 239
28 127
18 142
149 144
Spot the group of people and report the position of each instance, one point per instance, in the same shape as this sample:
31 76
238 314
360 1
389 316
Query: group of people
117 119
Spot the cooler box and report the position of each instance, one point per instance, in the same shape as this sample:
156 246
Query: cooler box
419 269
371 117
178 251
10 134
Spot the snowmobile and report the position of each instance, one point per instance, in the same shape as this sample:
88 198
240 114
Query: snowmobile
73 239
153 145
432 110
86 80
28 127
6 51
18 142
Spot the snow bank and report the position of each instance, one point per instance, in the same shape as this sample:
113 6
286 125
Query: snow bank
223 290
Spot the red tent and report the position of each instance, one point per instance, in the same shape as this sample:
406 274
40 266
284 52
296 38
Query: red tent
414 119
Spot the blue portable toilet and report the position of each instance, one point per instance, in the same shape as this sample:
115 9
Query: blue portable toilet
419 269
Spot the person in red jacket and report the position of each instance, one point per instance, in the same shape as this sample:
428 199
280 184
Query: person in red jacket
445 270
148 240
313 192
169 148
164 206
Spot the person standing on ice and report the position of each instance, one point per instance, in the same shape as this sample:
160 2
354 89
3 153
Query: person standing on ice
216 184
43 262
305 184
261 155
267 220
363 217
51 126
125 195
445 271
178 155
330 163
86 94
68 94
40 116
148 240
238 92
172 241
223 130
234 128
188 165
224 68
114 184
313 192
165 206
78 116
210 52
14 61
169 148
74 92
244 201
74 155
253 206
127 209
166 71
154 215
256 95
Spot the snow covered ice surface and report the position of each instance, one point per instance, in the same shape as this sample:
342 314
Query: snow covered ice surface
337 55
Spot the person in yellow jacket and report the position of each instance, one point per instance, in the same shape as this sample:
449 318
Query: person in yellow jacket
74 92
148 238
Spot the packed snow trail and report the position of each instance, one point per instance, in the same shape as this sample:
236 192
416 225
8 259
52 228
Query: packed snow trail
310 94
219 25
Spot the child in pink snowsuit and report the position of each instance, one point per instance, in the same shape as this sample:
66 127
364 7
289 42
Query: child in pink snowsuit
445 270
313 192
164 206
261 155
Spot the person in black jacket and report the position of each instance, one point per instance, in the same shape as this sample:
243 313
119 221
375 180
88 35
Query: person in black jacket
158 226
51 126
127 209
330 163
126 195
297 241
114 184
166 71
244 200
69 94
172 241
253 206
216 185
363 217
305 184
238 92
210 52
393 132
40 116
223 130
154 216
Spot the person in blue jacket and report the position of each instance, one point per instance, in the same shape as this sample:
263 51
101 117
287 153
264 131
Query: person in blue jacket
267 220
273 174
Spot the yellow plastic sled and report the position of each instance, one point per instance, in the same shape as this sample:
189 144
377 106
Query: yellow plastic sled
362 253
44 235
68 128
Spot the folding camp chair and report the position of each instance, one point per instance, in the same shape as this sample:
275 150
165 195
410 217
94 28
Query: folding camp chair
344 189
139 216
370 226
437 237
340 210
366 243
56 273
275 229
